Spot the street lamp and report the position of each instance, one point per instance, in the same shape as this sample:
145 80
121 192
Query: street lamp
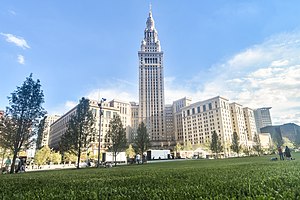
100 114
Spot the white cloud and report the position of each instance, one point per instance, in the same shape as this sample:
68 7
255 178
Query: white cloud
21 59
19 41
266 74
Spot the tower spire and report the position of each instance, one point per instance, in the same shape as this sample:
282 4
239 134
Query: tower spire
150 9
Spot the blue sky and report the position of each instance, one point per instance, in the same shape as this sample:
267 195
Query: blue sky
246 51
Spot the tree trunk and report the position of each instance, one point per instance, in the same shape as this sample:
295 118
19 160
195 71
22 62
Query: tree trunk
115 155
12 167
78 157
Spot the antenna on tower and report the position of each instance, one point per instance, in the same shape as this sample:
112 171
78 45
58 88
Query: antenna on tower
150 8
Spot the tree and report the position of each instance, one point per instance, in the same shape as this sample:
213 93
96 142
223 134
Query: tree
40 132
55 157
130 152
117 136
215 145
235 146
141 141
69 157
177 148
23 116
188 146
42 156
257 145
81 130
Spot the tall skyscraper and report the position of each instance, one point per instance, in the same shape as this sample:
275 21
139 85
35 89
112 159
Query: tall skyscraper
151 83
262 118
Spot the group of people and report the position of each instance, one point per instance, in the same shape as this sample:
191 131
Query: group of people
18 167
286 153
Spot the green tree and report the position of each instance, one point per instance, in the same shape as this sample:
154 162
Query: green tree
24 112
55 157
69 157
177 148
141 140
40 132
235 145
130 153
81 130
117 136
188 146
42 156
257 145
215 145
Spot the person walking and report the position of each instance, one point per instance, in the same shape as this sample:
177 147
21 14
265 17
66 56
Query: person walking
17 165
280 153
287 153
138 158
7 164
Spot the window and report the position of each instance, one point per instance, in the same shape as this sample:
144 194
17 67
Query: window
209 106
204 108
198 109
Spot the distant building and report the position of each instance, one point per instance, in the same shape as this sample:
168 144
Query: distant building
169 120
110 109
134 121
262 117
251 130
202 118
44 138
290 131
265 140
178 105
238 122
151 84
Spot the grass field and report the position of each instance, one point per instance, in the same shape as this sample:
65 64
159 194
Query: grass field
236 178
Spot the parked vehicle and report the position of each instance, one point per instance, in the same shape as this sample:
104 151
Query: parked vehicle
158 154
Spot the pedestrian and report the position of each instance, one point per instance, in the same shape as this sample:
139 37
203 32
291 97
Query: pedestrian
22 163
287 153
280 153
138 158
17 165
7 164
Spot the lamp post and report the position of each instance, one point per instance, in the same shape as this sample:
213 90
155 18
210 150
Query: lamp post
99 142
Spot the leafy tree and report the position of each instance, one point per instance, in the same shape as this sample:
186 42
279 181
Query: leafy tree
257 145
23 116
235 146
42 156
215 145
117 136
81 130
55 157
177 148
69 157
141 141
188 146
40 132
130 153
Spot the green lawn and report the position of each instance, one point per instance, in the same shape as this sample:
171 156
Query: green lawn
236 178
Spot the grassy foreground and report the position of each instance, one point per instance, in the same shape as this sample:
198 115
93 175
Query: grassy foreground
238 178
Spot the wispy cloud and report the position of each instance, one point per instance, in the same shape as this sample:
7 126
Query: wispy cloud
21 59
19 41
266 74
12 12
